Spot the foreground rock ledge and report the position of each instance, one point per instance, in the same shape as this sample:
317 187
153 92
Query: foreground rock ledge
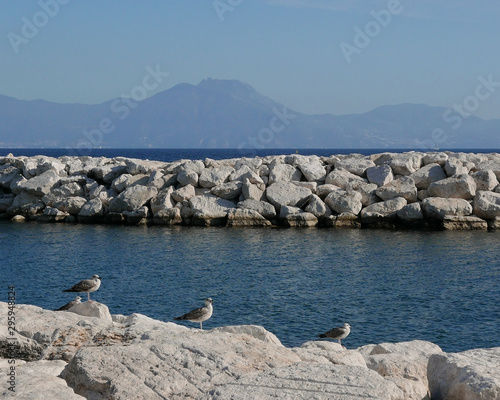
435 190
65 355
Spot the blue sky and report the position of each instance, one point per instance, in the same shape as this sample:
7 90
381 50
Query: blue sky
317 56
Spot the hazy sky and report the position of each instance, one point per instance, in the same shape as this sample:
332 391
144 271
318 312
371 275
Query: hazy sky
317 56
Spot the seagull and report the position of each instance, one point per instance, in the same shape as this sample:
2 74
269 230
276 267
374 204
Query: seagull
337 333
199 314
86 286
72 303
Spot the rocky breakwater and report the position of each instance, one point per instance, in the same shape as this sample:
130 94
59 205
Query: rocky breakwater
74 355
436 190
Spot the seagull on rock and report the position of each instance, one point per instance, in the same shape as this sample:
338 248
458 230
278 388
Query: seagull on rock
337 333
199 314
86 286
72 303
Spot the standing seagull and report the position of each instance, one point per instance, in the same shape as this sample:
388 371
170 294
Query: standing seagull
72 303
86 286
199 314
337 333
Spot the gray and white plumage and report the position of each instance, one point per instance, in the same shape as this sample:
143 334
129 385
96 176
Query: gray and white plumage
337 333
86 286
199 314
72 303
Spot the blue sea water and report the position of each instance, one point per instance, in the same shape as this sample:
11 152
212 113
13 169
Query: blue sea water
389 285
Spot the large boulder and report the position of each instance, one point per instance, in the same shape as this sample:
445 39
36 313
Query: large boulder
71 205
485 180
438 208
184 193
132 198
92 209
472 374
210 210
287 194
40 185
385 209
401 164
38 380
341 177
127 180
246 217
7 175
459 186
283 172
313 170
309 381
228 190
457 166
380 175
265 209
487 204
428 174
355 165
214 176
402 187
342 201
403 363
493 165
26 204
317 207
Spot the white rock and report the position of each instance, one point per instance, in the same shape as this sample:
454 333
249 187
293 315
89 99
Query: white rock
214 176
459 186
313 170
26 204
163 200
71 205
460 222
170 216
246 217
435 158
287 194
402 187
401 164
127 180
132 198
187 177
405 364
40 185
7 174
283 172
341 201
428 174
487 204
329 352
485 180
438 208
228 190
493 165
357 166
472 374
341 177
309 381
37 381
184 193
323 190
93 309
245 172
53 214
92 208
385 209
263 208
456 166
316 206
411 212
253 191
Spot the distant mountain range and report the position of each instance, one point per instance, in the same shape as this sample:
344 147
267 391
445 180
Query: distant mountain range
231 114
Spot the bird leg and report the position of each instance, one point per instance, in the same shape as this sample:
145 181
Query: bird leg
201 325
88 298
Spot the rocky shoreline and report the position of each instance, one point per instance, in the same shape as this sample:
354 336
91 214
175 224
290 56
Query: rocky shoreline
86 353
434 190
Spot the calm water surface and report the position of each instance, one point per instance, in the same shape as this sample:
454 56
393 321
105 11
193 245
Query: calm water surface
297 283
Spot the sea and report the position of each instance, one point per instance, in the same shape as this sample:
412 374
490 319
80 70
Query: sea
390 286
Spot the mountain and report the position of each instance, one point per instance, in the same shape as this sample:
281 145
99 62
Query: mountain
231 114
